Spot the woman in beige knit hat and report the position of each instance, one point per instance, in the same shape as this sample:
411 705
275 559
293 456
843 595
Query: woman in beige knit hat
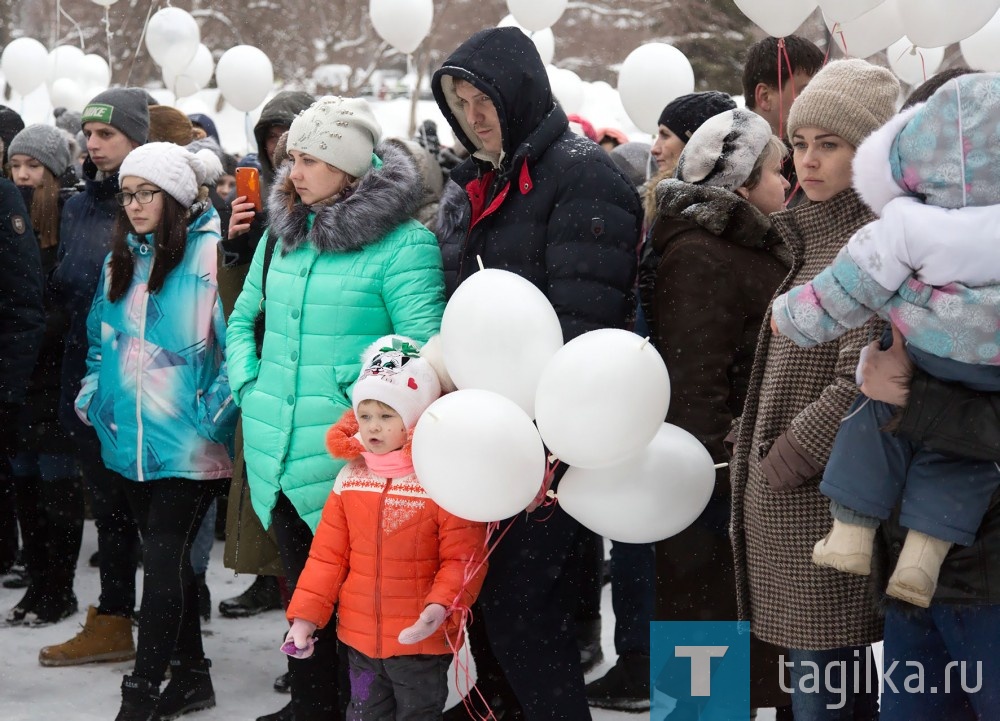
796 400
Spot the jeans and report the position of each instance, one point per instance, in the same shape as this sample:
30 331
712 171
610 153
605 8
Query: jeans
823 684
965 637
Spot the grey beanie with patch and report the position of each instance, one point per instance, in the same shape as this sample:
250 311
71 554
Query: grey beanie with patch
125 109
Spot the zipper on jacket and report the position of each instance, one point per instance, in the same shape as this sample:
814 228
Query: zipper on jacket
378 570
138 382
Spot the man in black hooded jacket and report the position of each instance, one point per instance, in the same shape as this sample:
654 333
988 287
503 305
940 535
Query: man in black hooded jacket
552 207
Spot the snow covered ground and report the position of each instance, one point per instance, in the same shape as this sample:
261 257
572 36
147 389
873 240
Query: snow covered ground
244 653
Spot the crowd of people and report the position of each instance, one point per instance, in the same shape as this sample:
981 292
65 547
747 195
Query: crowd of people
815 268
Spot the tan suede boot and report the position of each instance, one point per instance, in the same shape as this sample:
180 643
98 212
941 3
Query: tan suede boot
103 638
916 574
847 547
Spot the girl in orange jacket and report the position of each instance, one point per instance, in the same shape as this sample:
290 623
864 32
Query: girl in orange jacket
395 562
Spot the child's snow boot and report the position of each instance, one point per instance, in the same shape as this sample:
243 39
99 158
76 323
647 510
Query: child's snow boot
847 547
916 574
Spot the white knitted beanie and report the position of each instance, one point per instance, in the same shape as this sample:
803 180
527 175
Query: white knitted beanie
340 131
393 373
170 167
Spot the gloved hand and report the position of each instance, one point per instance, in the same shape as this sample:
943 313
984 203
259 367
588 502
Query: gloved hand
430 620
300 642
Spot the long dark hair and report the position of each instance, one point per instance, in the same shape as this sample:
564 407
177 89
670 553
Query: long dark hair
45 210
169 241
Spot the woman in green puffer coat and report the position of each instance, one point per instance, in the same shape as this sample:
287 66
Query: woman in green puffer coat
348 266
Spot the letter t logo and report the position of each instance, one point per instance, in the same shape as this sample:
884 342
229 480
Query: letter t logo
701 669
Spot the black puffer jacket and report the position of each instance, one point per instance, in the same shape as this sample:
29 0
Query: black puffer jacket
555 209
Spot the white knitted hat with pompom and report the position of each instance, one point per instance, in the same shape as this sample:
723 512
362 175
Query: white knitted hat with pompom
174 169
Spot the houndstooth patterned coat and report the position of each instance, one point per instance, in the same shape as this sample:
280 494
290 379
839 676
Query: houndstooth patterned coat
796 399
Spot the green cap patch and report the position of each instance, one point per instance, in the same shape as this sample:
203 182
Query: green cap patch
97 111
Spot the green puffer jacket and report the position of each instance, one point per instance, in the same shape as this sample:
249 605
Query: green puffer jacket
344 274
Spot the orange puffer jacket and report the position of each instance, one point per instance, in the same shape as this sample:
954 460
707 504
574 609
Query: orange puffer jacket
384 550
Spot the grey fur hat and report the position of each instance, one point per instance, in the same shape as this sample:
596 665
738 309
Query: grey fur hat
723 151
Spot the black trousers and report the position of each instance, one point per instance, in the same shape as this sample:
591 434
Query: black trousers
169 513
528 603
314 681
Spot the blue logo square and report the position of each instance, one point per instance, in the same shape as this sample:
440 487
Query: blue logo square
699 670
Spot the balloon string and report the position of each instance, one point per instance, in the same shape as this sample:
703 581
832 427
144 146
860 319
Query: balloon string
248 130
462 673
843 41
138 47
107 35
549 499
76 25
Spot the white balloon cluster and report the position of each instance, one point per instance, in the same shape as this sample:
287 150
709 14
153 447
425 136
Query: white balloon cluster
599 402
914 32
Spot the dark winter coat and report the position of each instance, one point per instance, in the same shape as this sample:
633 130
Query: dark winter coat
554 209
715 265
953 419
279 110
22 319
85 230
40 429
795 402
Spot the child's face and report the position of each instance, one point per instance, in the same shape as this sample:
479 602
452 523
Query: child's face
381 428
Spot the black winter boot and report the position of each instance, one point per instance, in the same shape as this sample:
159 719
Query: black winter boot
588 640
33 552
263 595
139 699
190 689
625 687
61 505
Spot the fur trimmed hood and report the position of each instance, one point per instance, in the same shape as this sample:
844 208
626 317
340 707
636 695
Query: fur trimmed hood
720 212
872 170
385 196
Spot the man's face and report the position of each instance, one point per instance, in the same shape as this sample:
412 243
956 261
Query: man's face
480 115
274 134
107 145
774 106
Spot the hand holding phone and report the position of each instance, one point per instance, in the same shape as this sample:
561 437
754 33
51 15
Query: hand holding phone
248 186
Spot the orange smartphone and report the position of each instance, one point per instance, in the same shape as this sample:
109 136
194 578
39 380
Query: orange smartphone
248 184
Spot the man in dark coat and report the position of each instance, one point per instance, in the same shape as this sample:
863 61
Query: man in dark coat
553 208
114 123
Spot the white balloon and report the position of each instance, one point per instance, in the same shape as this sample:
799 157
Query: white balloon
172 37
651 76
498 333
67 93
402 23
535 15
870 33
96 73
544 40
104 3
932 23
478 455
844 10
192 78
982 49
911 64
65 61
602 398
244 76
777 17
650 496
567 87
25 64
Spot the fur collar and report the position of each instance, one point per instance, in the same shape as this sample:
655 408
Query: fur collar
872 167
384 197
720 212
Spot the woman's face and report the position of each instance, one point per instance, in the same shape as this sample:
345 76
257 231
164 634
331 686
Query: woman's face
314 179
667 148
26 172
822 162
768 196
145 217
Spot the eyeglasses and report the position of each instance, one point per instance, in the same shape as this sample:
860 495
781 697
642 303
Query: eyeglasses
143 196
